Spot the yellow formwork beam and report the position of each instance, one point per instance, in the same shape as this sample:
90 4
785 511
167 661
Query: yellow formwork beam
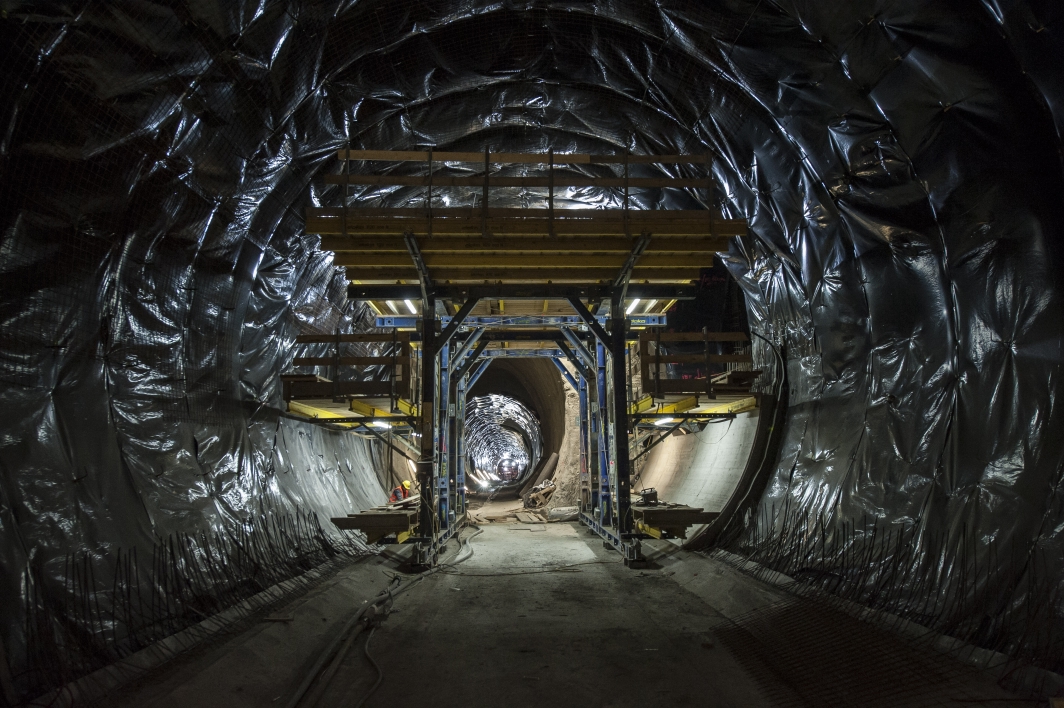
313 411
362 408
684 404
740 406
642 405
406 407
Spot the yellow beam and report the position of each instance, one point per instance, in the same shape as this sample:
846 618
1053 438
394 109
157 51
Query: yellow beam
313 411
680 406
406 407
365 409
642 405
740 406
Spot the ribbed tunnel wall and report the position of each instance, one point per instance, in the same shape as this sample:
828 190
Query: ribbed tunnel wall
899 165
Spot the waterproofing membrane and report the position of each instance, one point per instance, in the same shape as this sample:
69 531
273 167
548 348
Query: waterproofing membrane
898 162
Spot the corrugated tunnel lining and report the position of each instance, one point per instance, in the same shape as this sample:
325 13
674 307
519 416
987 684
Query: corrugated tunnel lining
537 384
503 443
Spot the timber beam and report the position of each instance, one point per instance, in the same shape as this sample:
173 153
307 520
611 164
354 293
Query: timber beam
514 291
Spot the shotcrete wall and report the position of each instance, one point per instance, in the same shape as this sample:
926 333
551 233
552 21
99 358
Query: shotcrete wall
700 469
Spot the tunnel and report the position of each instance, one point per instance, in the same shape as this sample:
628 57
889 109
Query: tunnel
883 526
534 388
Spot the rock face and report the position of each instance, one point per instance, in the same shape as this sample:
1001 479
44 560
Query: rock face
567 474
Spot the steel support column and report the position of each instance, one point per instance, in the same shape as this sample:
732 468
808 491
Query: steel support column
622 468
426 473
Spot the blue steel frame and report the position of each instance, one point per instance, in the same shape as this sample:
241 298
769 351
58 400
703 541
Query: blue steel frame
457 368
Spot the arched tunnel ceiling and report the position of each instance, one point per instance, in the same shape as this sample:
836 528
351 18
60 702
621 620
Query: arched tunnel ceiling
899 164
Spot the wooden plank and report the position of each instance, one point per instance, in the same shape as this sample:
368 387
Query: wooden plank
349 360
531 274
560 181
665 517
530 244
315 389
517 212
693 337
401 337
520 158
434 261
497 227
635 216
701 358
693 386
376 521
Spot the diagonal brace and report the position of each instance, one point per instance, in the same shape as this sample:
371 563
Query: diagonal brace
457 320
621 283
580 365
590 321
478 373
578 346
422 271
464 366
565 373
466 346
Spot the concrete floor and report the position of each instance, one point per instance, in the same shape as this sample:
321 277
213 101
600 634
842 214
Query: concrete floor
540 615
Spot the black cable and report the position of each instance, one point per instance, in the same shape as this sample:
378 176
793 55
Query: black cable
336 652
380 671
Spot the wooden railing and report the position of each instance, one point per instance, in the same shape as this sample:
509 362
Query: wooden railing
653 364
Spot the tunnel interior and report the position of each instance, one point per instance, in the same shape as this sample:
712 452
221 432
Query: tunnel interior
898 165
503 441
536 387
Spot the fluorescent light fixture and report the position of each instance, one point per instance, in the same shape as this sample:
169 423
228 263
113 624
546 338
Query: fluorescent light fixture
381 424
663 421
635 303
413 467
650 305
391 306
410 306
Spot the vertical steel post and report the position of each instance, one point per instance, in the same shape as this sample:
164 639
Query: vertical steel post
618 367
459 447
588 504
425 467
602 443
446 433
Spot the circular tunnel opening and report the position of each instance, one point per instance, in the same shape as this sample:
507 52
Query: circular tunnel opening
515 421
504 443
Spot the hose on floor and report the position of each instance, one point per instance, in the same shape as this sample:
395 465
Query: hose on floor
337 649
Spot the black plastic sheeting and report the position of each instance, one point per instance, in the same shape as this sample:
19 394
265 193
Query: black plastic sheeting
899 164
503 443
